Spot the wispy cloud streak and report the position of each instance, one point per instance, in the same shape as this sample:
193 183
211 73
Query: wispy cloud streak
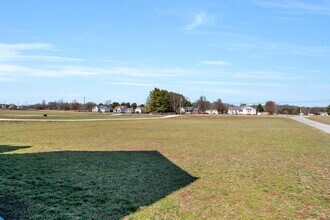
299 6
216 62
199 20
16 52
134 84
217 83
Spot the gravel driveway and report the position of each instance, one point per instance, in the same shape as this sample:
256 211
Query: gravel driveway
318 125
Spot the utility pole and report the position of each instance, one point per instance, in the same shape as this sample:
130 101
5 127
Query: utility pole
180 106
84 104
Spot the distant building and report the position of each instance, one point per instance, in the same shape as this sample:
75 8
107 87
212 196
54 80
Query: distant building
188 110
120 109
323 114
12 107
212 111
23 107
234 110
32 107
95 109
104 109
140 110
100 108
130 110
243 110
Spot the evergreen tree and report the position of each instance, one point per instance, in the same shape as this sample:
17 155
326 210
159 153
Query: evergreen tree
328 109
134 105
260 108
158 101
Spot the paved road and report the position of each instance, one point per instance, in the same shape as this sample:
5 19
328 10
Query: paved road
96 119
315 124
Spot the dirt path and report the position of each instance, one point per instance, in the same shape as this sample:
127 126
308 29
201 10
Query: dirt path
96 119
315 124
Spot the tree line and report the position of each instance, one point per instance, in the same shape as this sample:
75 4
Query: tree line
163 101
74 105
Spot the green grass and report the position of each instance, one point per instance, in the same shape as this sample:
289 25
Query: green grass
59 115
322 119
80 184
246 168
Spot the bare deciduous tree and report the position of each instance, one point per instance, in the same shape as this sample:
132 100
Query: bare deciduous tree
202 103
270 107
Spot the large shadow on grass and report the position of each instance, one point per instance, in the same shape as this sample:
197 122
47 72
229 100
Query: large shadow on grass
88 185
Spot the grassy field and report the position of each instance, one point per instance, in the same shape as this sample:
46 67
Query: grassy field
322 119
54 115
179 168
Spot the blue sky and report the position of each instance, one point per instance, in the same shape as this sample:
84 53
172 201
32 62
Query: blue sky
246 51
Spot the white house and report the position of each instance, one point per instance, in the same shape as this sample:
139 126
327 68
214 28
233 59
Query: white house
243 110
100 108
323 114
140 110
212 111
95 109
234 110
104 109
120 109
182 110
12 107
247 110
130 110
188 110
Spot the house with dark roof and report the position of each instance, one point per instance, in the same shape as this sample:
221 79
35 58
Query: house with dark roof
189 110
120 109
130 110
140 110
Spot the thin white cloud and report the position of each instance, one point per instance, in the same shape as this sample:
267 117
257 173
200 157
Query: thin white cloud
241 92
114 61
215 83
320 8
16 52
298 49
26 46
134 84
45 58
216 62
283 48
13 30
19 60
14 71
6 79
199 20
266 75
